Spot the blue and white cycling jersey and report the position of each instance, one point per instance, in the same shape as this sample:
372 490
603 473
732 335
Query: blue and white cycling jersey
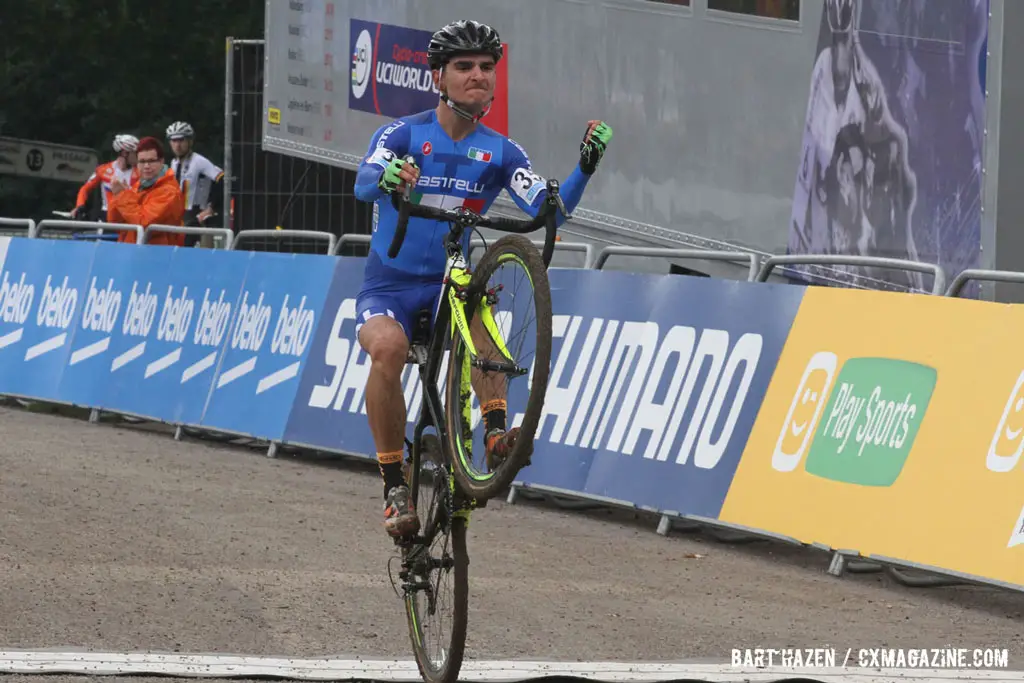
471 172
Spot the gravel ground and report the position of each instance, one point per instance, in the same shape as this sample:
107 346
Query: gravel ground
116 538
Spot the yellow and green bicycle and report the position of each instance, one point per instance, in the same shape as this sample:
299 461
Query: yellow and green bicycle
486 340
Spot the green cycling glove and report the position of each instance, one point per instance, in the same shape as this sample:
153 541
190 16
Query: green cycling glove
595 142
389 179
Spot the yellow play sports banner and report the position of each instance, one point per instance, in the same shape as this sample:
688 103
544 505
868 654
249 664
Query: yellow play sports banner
894 425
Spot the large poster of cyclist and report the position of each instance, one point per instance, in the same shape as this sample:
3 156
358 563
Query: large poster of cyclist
892 146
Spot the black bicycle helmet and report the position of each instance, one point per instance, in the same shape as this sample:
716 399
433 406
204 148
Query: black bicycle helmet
463 37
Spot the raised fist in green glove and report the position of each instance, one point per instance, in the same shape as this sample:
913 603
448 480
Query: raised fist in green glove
595 142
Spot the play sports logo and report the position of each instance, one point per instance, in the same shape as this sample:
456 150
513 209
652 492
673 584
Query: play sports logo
1007 446
858 427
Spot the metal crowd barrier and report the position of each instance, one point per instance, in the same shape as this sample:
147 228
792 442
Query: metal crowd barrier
586 249
223 233
758 269
981 275
94 227
938 284
695 254
843 560
350 239
284 234
26 224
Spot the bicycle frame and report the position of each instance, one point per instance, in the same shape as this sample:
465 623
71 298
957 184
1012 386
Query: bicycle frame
452 304
451 315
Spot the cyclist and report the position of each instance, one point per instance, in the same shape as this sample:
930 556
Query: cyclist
122 168
458 162
199 178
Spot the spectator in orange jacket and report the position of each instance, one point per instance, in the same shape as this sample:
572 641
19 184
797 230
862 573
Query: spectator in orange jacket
154 198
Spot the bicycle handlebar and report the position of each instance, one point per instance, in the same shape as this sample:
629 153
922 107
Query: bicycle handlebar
464 218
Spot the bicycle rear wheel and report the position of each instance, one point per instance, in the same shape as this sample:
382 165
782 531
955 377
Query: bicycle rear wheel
493 372
437 584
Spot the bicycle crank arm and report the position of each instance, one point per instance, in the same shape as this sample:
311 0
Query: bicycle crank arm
494 366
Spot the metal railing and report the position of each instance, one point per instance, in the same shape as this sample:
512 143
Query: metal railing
981 275
26 224
758 270
938 284
223 233
694 254
350 239
586 249
96 228
246 235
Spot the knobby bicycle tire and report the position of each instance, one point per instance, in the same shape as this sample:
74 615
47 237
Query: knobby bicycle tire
522 250
449 672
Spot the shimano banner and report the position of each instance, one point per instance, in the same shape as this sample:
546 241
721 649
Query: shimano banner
655 383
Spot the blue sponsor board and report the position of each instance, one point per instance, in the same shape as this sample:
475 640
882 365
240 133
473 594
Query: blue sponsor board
389 72
267 342
137 280
665 413
327 412
41 299
655 380
153 328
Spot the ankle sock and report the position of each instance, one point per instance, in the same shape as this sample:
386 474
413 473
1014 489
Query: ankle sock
391 469
494 414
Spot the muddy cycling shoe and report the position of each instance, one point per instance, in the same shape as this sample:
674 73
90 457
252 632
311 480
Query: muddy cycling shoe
400 518
499 445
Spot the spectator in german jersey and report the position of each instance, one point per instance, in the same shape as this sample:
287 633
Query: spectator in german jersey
155 199
122 167
200 180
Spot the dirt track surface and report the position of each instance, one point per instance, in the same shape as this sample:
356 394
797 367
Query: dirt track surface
117 539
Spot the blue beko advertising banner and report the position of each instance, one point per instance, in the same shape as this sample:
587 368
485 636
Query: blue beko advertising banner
329 409
268 341
41 298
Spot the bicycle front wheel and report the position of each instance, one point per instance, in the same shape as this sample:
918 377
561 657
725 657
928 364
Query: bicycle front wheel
437 592
509 313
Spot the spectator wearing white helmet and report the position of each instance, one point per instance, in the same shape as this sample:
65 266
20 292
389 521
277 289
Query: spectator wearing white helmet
201 180
124 168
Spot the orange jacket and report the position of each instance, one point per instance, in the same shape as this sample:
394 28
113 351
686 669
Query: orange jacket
161 203
103 176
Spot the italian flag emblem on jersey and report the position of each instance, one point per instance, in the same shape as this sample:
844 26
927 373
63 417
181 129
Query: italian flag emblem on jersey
479 154
446 202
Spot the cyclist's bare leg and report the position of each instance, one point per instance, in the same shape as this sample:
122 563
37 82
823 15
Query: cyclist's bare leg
385 342
491 389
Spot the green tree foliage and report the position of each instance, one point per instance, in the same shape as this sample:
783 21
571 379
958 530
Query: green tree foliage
79 71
